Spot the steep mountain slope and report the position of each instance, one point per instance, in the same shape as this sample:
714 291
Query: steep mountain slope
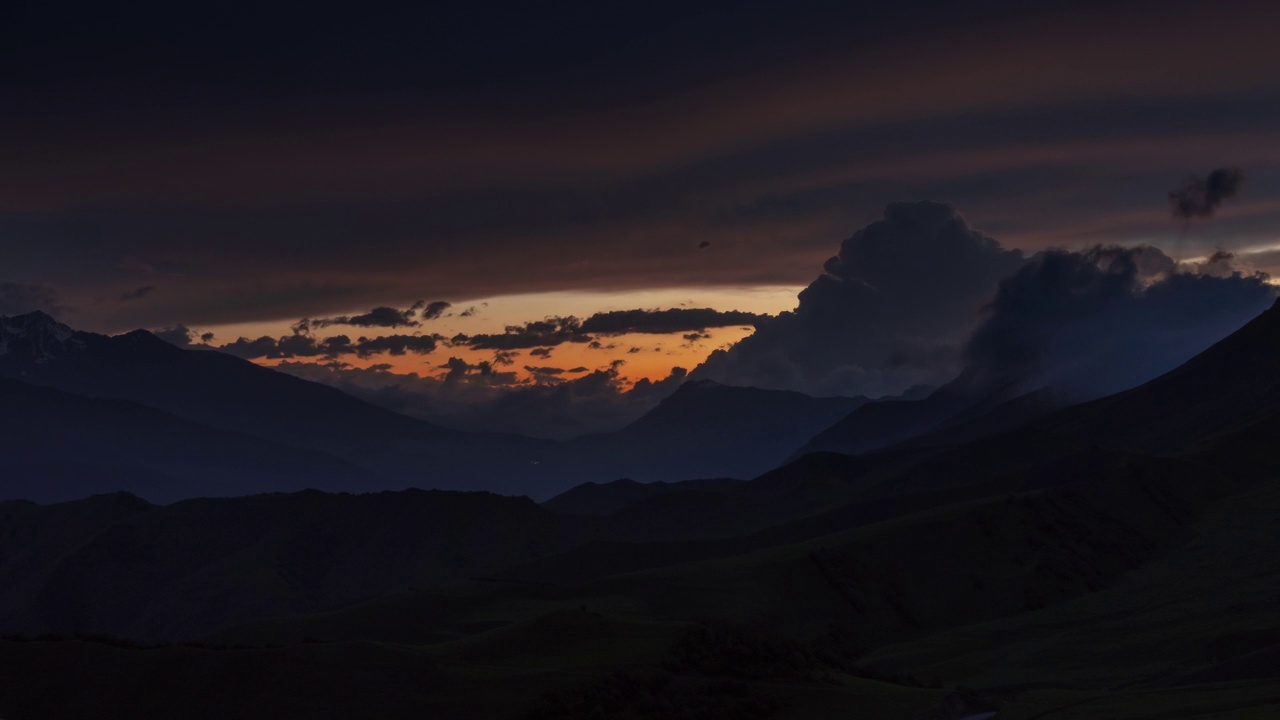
227 393
1233 386
707 430
703 430
57 446
884 423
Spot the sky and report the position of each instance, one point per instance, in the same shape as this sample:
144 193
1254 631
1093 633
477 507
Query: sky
238 168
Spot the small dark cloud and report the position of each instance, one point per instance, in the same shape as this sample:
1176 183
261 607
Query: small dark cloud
575 370
183 336
1200 197
431 311
383 317
694 337
395 345
673 320
137 293
545 352
387 317
482 373
505 357
549 332
542 335
543 371
301 345
179 335
632 350
469 312
704 244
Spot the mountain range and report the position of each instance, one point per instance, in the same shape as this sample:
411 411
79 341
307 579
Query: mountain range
271 431
1021 556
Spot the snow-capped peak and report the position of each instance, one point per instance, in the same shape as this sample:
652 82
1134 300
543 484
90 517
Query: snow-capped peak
36 335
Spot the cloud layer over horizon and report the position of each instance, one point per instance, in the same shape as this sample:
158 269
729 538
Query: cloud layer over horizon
919 297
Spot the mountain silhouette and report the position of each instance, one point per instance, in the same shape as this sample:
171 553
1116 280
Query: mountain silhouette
58 446
233 395
707 430
1002 560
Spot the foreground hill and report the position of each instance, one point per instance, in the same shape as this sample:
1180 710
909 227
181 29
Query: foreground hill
1011 597
126 567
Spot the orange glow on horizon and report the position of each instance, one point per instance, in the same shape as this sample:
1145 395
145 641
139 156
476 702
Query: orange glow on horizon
643 355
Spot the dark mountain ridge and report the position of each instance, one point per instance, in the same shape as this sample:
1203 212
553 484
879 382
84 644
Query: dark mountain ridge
227 393
705 429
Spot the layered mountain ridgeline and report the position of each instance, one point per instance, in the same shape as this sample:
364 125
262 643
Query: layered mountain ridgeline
267 431
235 396
1101 561
1237 379
707 430
57 446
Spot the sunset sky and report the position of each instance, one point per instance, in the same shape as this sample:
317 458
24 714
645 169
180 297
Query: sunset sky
236 175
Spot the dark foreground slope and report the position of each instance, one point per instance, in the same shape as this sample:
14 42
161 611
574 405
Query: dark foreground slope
1104 596
118 565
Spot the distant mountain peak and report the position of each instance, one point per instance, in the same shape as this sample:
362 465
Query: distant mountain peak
35 335
146 338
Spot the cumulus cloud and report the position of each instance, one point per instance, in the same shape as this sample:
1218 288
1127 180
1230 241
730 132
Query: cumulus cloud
1099 321
890 311
673 320
20 298
476 397
1200 197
